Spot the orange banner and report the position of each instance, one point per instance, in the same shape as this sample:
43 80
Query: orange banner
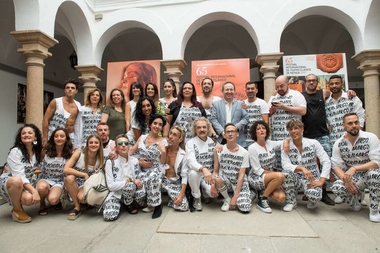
122 74
221 71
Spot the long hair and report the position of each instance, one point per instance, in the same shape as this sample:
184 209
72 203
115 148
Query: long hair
193 98
99 154
122 101
155 98
137 85
172 83
88 98
36 148
138 114
51 149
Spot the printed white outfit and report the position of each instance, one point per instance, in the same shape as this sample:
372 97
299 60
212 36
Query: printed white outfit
281 117
336 109
108 148
261 159
365 149
131 134
174 185
79 166
117 172
199 153
230 164
85 125
254 110
17 167
52 170
311 150
60 118
151 177
185 119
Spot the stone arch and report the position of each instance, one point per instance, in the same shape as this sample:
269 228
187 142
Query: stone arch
371 29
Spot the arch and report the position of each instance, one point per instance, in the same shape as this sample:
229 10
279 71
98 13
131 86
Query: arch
371 28
331 12
126 19
207 12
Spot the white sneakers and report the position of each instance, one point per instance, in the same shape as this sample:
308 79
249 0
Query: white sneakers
226 205
197 204
338 200
311 205
289 207
148 209
374 216
355 204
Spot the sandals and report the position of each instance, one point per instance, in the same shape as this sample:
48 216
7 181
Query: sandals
74 214
327 200
132 209
20 216
43 211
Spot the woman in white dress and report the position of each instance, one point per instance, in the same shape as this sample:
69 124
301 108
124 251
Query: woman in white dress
89 116
150 149
79 168
170 90
50 186
140 123
23 159
136 91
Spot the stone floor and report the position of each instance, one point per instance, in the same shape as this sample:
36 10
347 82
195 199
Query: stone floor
325 229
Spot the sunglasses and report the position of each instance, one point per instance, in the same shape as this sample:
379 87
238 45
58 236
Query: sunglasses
119 143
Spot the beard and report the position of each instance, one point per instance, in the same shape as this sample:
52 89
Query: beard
353 132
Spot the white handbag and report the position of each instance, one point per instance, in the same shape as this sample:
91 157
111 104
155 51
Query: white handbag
95 188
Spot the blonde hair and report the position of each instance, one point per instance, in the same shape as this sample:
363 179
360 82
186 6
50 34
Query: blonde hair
99 154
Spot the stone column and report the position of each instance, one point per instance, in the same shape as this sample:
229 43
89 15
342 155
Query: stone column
369 63
269 68
174 70
89 77
35 45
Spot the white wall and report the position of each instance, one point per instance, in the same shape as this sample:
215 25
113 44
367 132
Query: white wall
8 108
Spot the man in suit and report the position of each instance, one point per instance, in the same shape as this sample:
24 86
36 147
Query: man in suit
229 110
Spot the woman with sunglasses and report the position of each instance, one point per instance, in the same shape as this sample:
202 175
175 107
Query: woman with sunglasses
122 180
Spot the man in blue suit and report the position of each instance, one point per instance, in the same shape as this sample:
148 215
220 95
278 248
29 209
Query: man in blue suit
229 110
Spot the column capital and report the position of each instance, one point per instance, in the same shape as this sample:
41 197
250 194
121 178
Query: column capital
35 43
368 57
174 66
89 75
269 59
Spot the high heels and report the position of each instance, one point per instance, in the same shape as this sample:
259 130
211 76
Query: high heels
20 216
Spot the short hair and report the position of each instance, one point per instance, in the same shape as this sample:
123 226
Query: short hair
229 124
157 116
349 114
212 81
182 135
121 136
102 124
137 85
293 122
251 82
228 83
194 125
336 76
74 81
252 130
312 75
88 98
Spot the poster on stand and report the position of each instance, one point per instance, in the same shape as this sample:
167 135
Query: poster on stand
221 71
297 67
122 74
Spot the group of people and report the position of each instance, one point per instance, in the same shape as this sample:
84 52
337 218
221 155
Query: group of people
196 146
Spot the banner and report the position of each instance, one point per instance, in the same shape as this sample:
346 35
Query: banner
221 71
122 74
297 67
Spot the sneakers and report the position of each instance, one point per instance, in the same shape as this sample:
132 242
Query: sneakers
289 207
338 200
226 205
263 205
197 204
374 216
311 205
355 204
148 209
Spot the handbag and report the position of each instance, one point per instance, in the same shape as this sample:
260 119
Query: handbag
95 188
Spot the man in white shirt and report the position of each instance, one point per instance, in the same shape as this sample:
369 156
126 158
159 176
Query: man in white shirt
356 161
103 131
200 159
